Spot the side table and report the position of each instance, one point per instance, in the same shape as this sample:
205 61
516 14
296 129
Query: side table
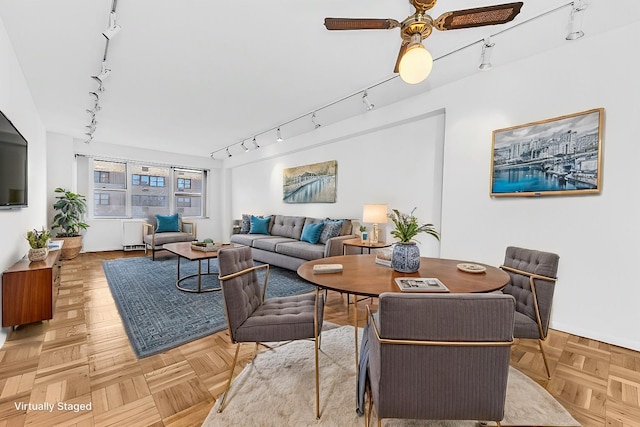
358 243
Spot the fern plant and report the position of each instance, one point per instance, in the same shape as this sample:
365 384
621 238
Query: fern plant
407 226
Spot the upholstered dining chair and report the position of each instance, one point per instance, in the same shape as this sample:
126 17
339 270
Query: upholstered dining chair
533 278
438 356
252 318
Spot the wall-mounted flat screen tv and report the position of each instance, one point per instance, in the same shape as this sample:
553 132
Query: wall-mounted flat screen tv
13 166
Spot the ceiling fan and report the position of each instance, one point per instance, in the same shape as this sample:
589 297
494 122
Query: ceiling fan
414 61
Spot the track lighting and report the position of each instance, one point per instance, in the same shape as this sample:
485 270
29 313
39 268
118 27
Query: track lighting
92 112
365 100
113 29
104 73
575 20
416 62
92 127
313 120
211 155
88 140
244 147
95 95
487 49
255 144
228 153
279 135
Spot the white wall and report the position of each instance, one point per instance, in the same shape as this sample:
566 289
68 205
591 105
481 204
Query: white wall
16 103
368 172
596 236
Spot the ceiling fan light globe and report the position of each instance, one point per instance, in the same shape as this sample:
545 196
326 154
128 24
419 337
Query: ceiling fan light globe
416 64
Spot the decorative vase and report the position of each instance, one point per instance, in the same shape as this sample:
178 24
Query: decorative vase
364 236
405 257
38 254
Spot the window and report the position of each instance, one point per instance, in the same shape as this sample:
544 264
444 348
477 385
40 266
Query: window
152 190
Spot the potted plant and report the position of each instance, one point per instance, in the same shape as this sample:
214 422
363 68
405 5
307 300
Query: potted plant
71 208
39 243
363 233
405 257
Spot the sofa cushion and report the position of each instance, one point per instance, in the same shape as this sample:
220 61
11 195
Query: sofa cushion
259 225
271 243
331 229
167 223
302 250
311 232
169 237
248 239
288 226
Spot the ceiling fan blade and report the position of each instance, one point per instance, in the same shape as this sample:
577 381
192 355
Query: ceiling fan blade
423 5
360 24
478 17
403 49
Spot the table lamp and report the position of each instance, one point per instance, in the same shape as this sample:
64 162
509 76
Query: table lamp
376 214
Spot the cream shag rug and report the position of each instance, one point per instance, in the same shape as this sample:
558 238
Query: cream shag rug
278 389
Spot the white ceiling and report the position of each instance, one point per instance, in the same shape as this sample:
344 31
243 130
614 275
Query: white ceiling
196 76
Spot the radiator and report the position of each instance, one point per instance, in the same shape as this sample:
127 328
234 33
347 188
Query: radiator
132 235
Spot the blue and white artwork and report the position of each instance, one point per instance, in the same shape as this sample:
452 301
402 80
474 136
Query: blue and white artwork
551 157
314 183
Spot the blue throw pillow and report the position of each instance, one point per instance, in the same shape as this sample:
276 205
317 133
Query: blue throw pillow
167 223
311 232
259 225
331 229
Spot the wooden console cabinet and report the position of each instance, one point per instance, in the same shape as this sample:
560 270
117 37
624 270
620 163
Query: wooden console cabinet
29 290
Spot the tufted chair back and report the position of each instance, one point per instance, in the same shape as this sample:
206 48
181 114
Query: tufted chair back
242 294
537 263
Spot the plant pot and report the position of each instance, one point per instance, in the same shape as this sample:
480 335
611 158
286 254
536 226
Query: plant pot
405 257
38 254
364 236
71 247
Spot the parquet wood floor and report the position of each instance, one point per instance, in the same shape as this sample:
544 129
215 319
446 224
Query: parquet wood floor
83 356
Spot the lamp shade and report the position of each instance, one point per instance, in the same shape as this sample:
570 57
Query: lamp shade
416 64
376 214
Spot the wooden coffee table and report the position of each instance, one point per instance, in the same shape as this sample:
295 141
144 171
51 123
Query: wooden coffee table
183 250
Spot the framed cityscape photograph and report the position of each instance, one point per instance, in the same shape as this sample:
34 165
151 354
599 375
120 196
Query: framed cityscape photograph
559 156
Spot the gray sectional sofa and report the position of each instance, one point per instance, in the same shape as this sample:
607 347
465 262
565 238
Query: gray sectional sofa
284 245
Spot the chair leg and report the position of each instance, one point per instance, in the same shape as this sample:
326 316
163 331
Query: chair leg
316 342
544 357
233 366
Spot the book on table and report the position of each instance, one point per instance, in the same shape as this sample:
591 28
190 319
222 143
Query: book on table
420 284
327 268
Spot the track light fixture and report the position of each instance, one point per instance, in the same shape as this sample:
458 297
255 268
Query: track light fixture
228 153
365 100
279 135
92 112
104 73
95 96
487 49
575 20
244 147
113 29
88 140
255 144
313 120
92 127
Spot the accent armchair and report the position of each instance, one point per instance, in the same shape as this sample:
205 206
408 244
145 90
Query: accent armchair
252 318
439 356
169 229
533 278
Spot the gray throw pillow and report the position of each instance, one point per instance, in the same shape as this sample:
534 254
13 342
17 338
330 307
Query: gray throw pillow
331 229
246 224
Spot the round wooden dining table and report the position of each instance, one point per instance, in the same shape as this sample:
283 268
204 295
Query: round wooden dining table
362 276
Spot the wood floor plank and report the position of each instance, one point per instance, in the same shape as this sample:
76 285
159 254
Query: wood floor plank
83 355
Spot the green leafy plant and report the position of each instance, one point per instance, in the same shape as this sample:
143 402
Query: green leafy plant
71 208
407 226
363 228
38 239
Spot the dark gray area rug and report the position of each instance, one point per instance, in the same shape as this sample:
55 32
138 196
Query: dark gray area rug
157 316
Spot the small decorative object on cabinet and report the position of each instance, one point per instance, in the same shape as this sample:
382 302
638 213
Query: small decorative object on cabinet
405 257
29 290
39 242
